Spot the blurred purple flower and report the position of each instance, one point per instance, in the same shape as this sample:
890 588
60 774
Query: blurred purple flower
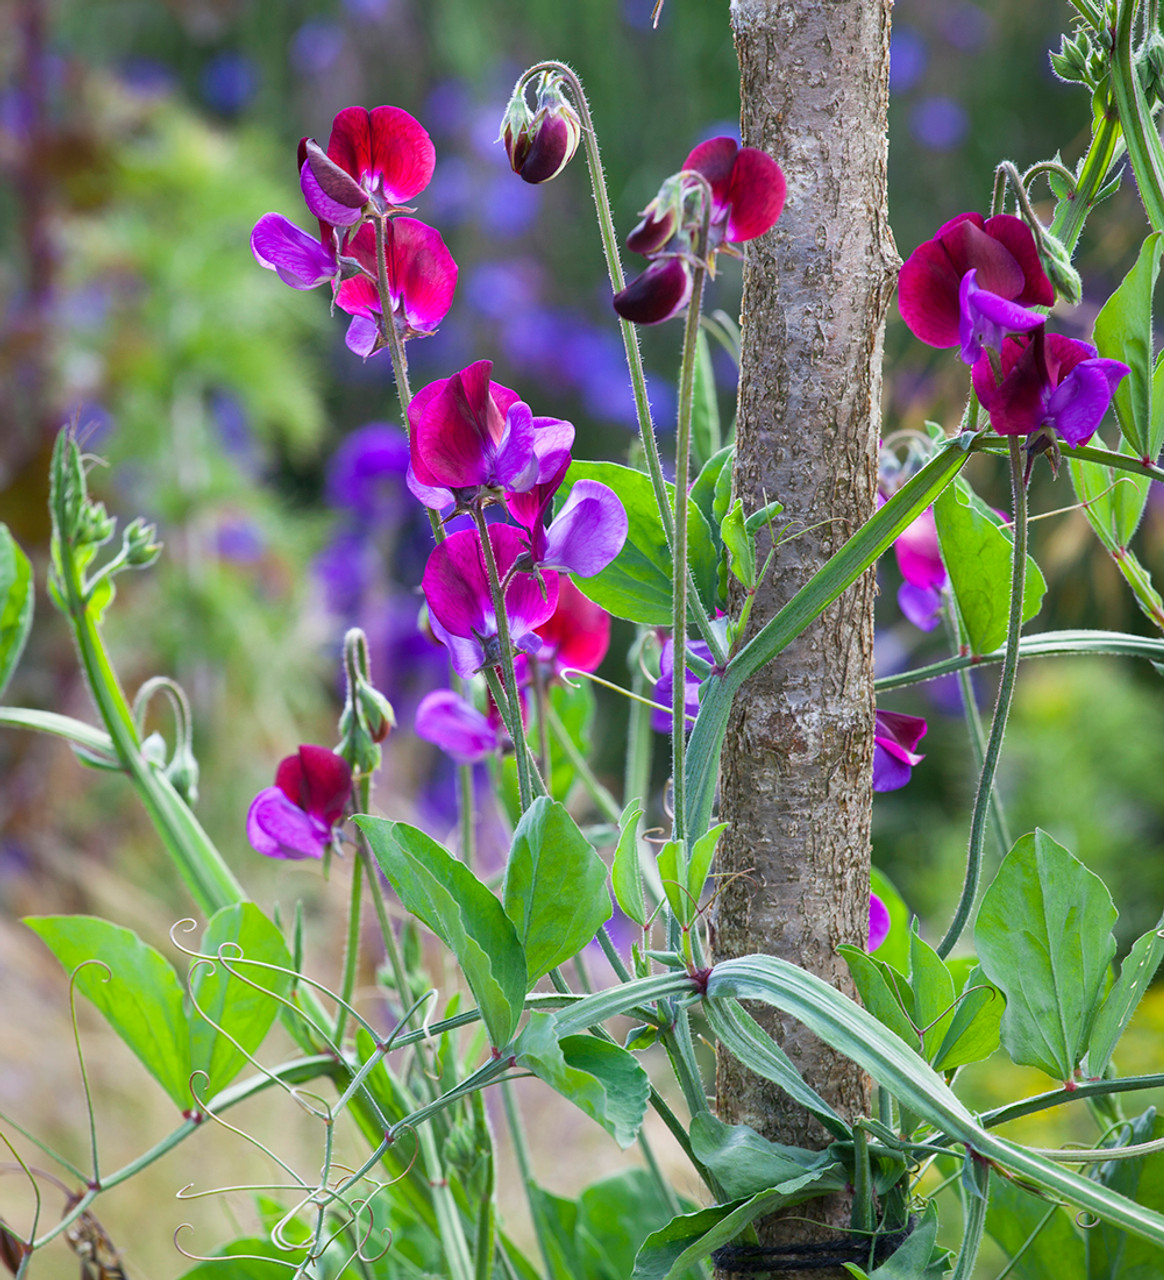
501 289
665 685
297 817
907 58
346 567
239 540
366 474
504 209
939 123
316 46
879 922
229 81
457 727
967 27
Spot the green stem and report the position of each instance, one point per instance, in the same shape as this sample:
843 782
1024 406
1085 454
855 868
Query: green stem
465 812
975 1199
525 1168
75 731
1071 213
601 796
1026 1244
351 952
1002 705
1145 150
508 673
388 330
639 741
451 1231
1057 1097
679 577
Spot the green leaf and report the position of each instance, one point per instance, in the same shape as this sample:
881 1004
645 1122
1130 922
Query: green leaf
1123 331
601 1078
447 897
973 1031
626 873
933 993
133 986
705 487
637 584
1014 1215
251 1258
1113 502
16 601
673 873
741 551
1113 1254
555 887
884 992
747 1163
1044 939
244 1006
706 435
702 853
1137 971
615 1216
977 553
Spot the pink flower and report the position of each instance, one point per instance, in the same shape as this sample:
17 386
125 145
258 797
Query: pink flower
920 560
895 736
297 817
1050 382
458 728
576 636
380 158
879 922
456 585
1005 277
747 189
421 279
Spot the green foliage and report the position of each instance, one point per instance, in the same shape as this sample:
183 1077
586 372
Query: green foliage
555 887
1044 939
1039 1236
626 873
706 433
977 552
602 1079
746 1164
1136 972
637 584
447 897
16 602
1114 1254
919 1258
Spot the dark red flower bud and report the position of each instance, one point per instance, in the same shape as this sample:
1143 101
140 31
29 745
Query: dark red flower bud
541 144
658 294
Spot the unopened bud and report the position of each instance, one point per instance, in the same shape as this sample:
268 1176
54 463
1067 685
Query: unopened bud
96 525
660 219
542 143
378 712
140 544
1060 272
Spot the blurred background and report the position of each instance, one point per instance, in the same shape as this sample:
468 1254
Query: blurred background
140 141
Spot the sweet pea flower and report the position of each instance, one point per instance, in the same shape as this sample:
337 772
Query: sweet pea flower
456 585
469 433
665 685
920 560
1049 383
296 257
458 728
297 817
879 922
945 309
379 158
584 537
895 736
422 277
576 636
540 145
747 196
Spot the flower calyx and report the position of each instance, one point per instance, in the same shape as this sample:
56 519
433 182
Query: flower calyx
541 143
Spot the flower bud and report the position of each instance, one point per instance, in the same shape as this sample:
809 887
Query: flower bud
541 144
96 525
139 544
1057 264
661 218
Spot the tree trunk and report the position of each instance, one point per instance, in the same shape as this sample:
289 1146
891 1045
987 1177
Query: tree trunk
797 763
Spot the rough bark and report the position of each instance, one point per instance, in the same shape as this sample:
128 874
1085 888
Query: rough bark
797 763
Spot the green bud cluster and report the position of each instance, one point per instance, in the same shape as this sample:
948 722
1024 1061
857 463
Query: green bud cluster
367 717
1150 68
1082 60
1060 272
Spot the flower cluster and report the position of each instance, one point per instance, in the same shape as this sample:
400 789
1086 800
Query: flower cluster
745 189
357 190
973 286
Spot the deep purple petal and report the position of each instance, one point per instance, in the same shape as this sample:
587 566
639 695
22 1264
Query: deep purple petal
457 727
435 496
985 319
588 532
280 829
552 444
1077 405
466 655
456 586
322 205
658 294
879 922
299 259
889 773
362 336
899 734
515 465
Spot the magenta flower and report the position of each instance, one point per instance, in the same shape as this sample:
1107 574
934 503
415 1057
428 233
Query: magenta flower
584 537
299 259
1048 382
576 636
421 279
879 922
458 728
380 158
747 189
456 585
297 817
895 736
943 310
920 560
541 145
747 196
469 433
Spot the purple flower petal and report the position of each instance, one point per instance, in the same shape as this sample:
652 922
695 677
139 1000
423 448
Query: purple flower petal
662 291
879 922
985 319
298 259
1077 405
334 212
362 336
921 605
457 727
895 736
280 829
515 466
588 532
